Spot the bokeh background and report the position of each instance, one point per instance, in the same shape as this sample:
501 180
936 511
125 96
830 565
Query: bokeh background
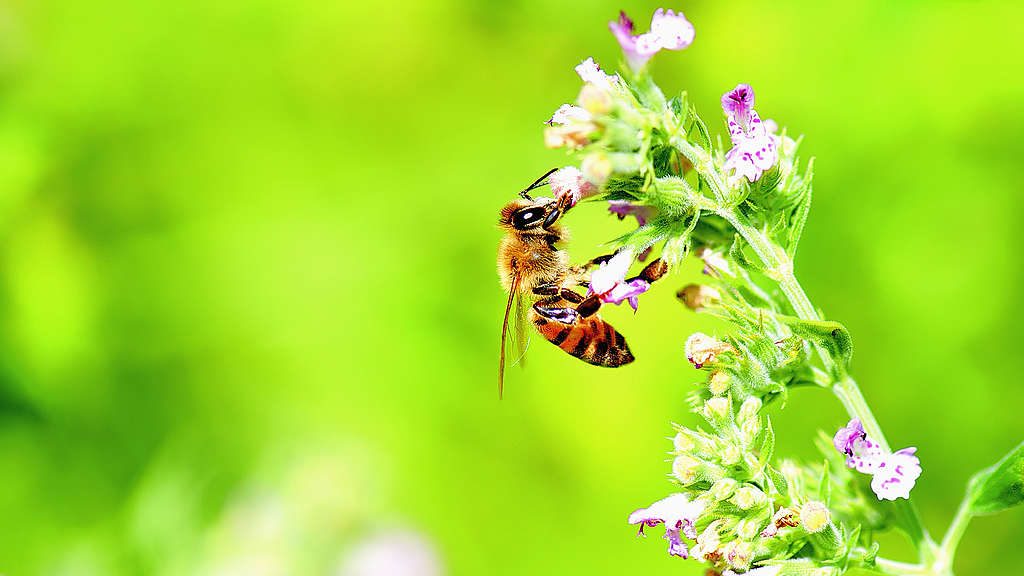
249 310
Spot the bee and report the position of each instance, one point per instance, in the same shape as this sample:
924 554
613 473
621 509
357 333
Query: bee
534 269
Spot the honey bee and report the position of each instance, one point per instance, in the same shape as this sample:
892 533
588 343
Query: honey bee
533 268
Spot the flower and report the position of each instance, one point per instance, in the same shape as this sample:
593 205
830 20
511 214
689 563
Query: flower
609 281
896 475
754 149
567 113
623 208
714 263
570 180
702 349
590 72
738 102
678 514
669 31
893 475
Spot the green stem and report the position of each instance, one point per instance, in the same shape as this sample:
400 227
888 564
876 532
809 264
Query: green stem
947 551
779 267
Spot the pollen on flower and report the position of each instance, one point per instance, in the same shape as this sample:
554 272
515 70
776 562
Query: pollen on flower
814 516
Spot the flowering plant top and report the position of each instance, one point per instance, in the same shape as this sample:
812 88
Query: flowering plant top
740 209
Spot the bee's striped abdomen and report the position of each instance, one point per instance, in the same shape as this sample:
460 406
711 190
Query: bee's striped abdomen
590 339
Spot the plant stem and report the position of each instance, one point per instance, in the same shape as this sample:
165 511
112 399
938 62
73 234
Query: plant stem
946 552
779 267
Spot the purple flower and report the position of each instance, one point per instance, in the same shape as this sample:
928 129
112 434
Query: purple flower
678 514
893 475
844 438
896 475
754 149
609 281
739 101
669 31
623 208
570 180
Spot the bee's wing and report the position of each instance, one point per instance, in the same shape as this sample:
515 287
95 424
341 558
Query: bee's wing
512 293
519 332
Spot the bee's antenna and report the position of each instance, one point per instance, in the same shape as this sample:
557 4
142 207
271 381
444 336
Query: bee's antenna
537 183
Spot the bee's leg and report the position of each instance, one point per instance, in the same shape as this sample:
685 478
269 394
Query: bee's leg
556 313
546 289
589 306
651 273
560 290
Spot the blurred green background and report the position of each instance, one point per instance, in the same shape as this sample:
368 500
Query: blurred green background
249 309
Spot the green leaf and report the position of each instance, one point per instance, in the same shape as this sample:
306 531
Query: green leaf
825 486
768 444
800 216
778 481
833 336
700 135
1000 486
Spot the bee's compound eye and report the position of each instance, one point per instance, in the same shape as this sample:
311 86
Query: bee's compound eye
527 218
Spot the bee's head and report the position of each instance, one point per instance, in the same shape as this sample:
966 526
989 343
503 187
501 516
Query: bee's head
523 214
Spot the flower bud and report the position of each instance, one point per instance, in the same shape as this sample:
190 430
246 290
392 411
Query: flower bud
683 442
717 410
597 168
750 429
730 454
749 528
738 554
749 409
698 296
814 516
718 383
595 100
723 488
575 135
749 496
685 469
